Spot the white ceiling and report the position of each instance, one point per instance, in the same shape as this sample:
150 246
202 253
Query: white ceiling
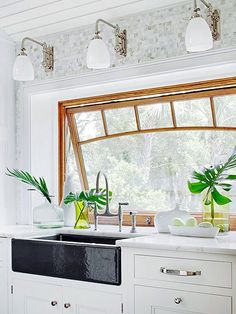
21 18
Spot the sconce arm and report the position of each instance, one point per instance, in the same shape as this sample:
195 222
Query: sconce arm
116 27
33 40
196 8
208 5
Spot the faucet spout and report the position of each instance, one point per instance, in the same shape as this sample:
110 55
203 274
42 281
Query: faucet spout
107 211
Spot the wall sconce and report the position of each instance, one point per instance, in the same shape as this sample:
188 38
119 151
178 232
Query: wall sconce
98 56
199 34
23 69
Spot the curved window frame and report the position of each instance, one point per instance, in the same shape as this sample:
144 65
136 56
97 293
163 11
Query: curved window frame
134 99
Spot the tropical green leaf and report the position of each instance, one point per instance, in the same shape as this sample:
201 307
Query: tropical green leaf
37 184
231 177
200 177
197 187
219 198
71 197
88 197
212 177
225 186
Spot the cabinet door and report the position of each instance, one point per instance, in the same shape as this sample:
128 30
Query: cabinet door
3 291
87 301
36 298
150 300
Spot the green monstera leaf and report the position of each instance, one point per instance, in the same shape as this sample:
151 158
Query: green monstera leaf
88 197
214 179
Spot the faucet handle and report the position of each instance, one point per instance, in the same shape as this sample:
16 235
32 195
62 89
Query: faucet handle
120 214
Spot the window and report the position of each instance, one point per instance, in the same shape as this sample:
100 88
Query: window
148 147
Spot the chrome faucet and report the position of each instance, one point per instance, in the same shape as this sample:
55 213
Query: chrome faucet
107 212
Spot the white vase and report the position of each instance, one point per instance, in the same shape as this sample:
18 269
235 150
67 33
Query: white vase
69 209
48 215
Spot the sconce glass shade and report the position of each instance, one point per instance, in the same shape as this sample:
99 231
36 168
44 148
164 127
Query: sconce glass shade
198 35
23 69
98 56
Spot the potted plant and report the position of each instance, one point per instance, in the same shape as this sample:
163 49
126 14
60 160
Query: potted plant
215 182
83 202
47 215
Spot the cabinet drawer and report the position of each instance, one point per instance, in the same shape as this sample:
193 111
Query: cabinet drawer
181 270
150 300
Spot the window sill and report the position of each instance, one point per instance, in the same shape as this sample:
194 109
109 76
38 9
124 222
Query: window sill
146 220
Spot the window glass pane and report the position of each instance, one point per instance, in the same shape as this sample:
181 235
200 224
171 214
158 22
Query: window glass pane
225 110
120 120
196 112
150 172
89 125
155 116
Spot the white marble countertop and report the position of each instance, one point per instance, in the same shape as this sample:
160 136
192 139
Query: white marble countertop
223 244
25 231
145 238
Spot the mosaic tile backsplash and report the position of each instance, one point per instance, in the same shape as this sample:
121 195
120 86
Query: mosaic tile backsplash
152 35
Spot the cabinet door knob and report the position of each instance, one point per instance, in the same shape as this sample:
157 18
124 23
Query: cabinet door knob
178 300
66 305
53 303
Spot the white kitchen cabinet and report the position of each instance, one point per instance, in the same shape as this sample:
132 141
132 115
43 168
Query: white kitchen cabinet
3 291
83 301
167 282
149 300
3 277
31 297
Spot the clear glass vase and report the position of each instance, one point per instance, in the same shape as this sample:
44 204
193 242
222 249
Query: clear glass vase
48 215
81 216
217 215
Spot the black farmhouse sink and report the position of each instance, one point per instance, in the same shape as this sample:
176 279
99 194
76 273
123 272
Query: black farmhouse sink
77 257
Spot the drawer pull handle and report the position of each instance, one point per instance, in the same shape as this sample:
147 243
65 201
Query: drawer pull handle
53 303
183 273
178 300
66 305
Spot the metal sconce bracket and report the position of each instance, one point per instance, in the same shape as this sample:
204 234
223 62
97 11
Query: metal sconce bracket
48 53
48 58
213 17
120 35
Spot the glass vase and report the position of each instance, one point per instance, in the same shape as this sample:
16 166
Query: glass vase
81 216
217 215
48 215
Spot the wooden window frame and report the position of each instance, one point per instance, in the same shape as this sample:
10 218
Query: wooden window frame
190 91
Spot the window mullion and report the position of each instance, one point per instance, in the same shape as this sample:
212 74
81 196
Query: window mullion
104 121
137 118
172 108
213 113
78 152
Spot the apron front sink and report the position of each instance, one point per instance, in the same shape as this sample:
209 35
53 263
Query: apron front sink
76 257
